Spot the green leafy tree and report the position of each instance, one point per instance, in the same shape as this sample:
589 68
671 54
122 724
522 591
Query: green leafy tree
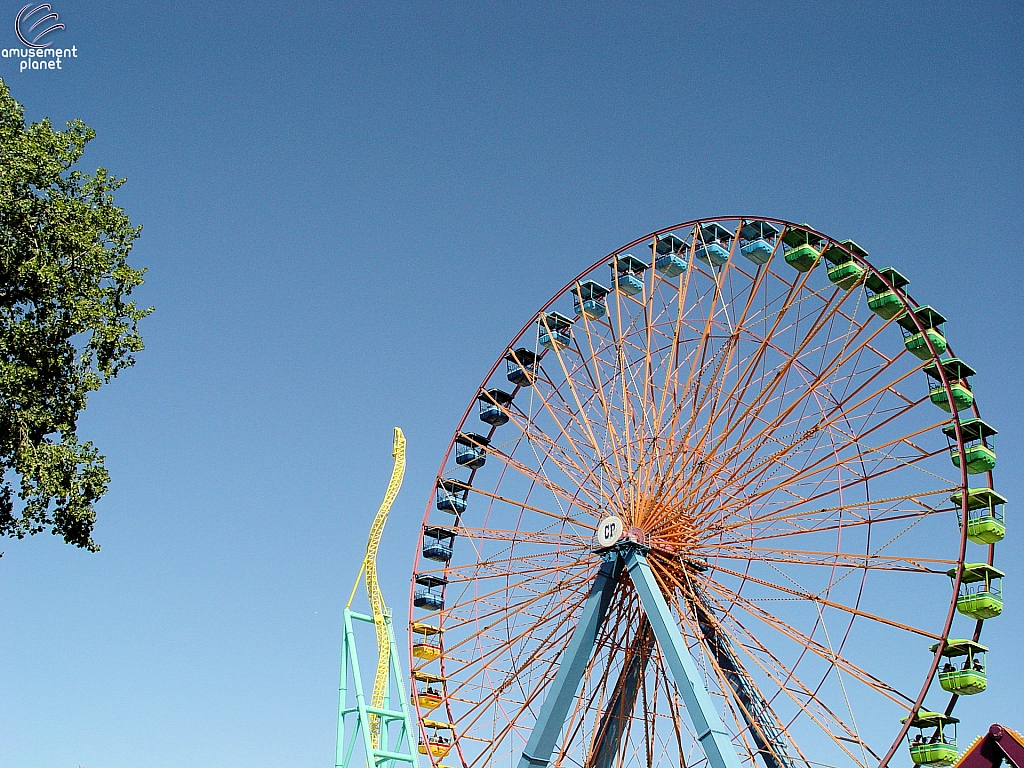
66 324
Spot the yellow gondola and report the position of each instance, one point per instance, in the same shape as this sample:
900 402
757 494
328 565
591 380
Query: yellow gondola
426 642
439 739
429 695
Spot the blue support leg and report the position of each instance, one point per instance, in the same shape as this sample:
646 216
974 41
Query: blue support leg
563 688
711 733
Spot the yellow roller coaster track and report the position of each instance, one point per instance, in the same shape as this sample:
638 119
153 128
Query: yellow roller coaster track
369 570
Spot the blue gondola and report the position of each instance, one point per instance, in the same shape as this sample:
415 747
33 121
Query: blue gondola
521 367
588 299
494 405
430 594
713 243
554 331
451 496
672 255
471 450
628 274
438 543
758 240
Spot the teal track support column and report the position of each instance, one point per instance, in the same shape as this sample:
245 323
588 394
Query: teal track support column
570 672
711 733
397 740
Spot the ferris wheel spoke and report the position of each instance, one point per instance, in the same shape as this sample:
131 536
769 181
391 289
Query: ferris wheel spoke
771 534
817 473
498 686
576 417
875 511
783 678
809 596
494 614
522 505
789 510
502 568
598 386
595 685
819 650
584 467
514 710
548 633
676 448
548 675
700 395
563 542
751 414
581 408
826 464
781 375
671 365
873 561
746 722
465 613
828 420
554 451
648 386
542 479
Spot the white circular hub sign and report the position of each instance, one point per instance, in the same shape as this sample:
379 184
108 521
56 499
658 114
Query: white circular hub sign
609 531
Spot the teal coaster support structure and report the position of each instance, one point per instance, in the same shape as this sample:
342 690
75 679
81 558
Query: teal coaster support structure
630 557
396 747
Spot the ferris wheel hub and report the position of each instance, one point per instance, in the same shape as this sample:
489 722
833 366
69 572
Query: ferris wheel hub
612 532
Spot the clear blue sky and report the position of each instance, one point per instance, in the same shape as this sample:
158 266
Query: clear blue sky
349 210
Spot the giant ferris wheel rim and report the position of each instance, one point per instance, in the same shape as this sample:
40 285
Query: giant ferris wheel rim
909 304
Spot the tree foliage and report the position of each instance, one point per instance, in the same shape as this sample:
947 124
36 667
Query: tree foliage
66 324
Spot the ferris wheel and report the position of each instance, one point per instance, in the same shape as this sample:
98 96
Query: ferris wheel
726 499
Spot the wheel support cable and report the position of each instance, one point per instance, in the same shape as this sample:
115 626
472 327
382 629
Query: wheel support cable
631 557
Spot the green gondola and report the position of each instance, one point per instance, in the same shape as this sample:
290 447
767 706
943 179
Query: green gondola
970 677
985 520
915 339
804 248
883 300
845 271
981 591
979 445
960 376
936 749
